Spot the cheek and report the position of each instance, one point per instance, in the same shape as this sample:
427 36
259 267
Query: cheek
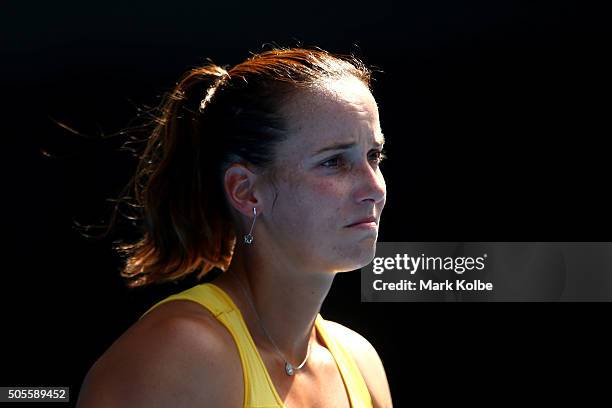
326 189
316 201
325 200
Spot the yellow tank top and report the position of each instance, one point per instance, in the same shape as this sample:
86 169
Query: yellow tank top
259 390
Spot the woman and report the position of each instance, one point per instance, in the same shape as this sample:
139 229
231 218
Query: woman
268 171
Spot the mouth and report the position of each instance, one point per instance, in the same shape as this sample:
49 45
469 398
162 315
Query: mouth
368 222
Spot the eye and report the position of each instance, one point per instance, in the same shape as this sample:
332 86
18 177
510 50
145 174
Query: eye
378 156
332 162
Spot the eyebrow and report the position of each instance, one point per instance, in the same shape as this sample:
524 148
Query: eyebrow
345 146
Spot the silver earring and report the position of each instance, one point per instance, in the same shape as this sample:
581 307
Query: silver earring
248 238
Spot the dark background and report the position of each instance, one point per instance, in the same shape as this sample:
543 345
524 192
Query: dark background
496 116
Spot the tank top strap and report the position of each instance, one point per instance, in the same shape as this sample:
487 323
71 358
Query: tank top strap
259 390
354 382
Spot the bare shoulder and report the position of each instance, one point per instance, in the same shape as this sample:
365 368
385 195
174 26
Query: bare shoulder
368 360
177 355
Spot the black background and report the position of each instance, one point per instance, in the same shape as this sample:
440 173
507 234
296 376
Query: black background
496 116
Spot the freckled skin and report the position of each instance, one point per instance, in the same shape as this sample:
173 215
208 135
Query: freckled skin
301 241
315 203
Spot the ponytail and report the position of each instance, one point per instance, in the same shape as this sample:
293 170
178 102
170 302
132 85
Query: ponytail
185 227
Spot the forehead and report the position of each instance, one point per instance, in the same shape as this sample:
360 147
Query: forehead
339 110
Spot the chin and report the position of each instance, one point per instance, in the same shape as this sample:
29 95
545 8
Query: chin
358 256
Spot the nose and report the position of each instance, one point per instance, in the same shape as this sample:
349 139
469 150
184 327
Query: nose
370 184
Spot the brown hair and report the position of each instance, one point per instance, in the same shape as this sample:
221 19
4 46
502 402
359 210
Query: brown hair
213 117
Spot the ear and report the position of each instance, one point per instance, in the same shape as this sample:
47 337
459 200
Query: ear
239 185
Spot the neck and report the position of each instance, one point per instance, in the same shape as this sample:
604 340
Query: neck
287 301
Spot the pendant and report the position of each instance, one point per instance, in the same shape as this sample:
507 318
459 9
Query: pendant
289 368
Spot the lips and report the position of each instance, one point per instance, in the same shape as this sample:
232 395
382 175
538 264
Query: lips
363 221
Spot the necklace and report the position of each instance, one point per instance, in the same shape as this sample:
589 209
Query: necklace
289 368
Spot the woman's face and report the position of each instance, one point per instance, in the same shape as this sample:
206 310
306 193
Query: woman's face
327 178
